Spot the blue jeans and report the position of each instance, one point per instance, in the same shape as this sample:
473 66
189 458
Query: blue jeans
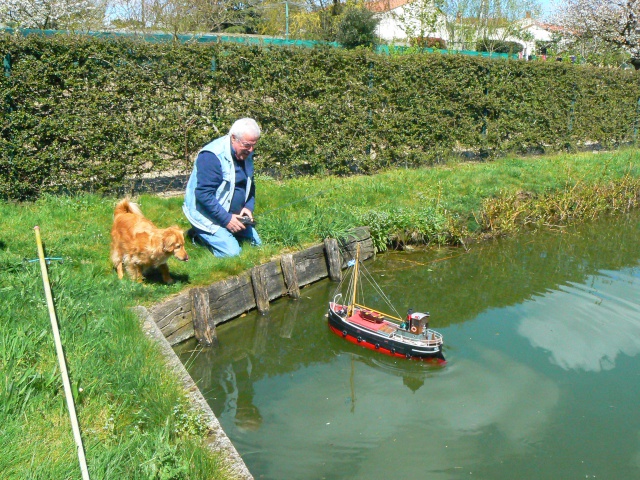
223 243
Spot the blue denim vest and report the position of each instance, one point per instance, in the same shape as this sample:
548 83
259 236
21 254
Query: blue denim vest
221 148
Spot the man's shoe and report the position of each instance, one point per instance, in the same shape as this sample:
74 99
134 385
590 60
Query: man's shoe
193 236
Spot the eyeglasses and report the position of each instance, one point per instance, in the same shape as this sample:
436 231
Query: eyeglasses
246 144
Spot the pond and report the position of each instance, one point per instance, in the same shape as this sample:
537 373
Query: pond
542 341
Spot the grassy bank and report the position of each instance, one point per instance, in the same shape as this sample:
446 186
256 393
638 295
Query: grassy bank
134 417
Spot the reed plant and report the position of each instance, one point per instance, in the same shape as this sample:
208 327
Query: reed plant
135 418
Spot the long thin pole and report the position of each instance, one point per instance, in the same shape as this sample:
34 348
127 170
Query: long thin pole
355 281
286 13
63 364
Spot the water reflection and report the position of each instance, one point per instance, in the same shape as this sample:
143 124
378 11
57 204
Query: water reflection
533 327
587 335
447 429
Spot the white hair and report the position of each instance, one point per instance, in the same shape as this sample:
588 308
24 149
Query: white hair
244 127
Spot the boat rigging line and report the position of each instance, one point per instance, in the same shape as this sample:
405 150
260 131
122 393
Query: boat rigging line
365 274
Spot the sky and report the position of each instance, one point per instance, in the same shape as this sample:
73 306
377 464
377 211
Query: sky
547 7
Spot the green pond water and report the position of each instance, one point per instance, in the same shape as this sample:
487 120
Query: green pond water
542 381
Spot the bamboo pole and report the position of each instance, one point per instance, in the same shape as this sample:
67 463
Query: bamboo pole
61 359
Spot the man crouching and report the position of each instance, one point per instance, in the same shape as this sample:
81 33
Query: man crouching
220 196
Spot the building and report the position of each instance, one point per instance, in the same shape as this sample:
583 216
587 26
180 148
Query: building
404 20
541 34
401 20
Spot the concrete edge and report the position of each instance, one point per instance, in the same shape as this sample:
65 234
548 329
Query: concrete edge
216 439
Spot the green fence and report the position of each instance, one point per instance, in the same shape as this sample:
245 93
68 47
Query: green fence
257 40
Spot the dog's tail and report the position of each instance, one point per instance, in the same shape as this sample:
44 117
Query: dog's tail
125 206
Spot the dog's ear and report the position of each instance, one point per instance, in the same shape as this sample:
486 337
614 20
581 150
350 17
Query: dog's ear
171 237
168 242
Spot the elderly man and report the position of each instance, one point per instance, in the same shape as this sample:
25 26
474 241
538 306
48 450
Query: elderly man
220 195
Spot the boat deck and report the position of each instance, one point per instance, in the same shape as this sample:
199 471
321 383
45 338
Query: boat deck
383 328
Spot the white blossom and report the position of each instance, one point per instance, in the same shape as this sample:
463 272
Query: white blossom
612 21
42 14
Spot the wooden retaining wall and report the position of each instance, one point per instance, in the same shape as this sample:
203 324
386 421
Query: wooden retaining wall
209 306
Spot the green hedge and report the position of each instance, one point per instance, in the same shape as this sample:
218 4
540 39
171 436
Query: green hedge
88 113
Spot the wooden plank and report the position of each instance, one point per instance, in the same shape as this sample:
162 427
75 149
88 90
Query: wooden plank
203 325
231 297
311 265
275 282
260 293
177 323
181 334
334 260
234 296
359 235
164 313
289 275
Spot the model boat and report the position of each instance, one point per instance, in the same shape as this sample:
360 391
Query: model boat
408 337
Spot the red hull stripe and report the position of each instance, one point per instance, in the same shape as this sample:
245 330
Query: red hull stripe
370 346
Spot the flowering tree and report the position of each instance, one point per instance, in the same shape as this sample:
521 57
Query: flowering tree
420 19
46 14
613 22
183 16
486 23
467 24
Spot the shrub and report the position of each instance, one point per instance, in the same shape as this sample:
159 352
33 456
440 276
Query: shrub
84 113
428 42
499 46
357 28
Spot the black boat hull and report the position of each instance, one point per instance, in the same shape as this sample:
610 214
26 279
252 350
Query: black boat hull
368 339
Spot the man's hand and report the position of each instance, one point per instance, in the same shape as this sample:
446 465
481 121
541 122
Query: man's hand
235 225
245 212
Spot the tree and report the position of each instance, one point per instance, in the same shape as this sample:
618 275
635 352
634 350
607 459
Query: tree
421 19
316 19
357 28
467 23
612 22
184 16
461 31
281 17
483 22
50 14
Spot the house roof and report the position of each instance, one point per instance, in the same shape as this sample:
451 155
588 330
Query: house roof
549 27
382 6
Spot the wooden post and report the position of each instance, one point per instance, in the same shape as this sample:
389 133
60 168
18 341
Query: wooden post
203 324
289 274
260 293
332 252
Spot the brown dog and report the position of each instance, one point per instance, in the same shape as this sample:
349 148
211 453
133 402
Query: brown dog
137 244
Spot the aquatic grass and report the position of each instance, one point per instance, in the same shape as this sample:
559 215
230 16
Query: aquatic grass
331 222
578 201
402 226
282 229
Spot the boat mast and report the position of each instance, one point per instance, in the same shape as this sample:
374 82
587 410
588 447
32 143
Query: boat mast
355 281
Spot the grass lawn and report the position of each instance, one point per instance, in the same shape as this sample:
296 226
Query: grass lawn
134 417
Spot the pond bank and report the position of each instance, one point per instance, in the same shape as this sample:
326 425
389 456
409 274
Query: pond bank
533 326
132 412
